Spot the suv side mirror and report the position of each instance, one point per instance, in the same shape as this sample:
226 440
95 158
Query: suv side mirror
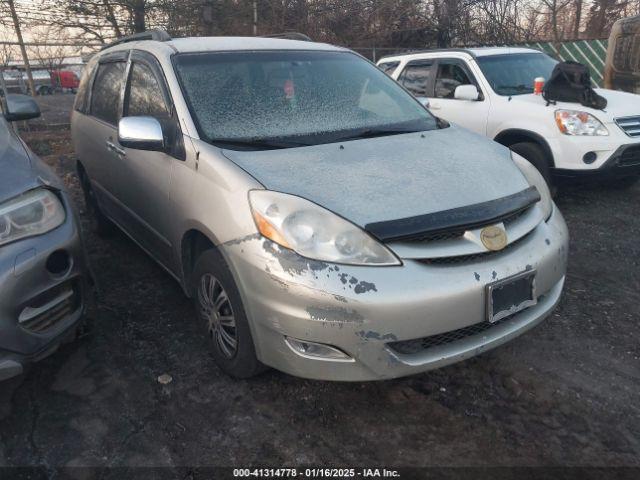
466 92
21 107
141 133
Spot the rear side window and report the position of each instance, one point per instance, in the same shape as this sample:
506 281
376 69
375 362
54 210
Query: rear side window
80 103
105 97
388 67
145 96
416 78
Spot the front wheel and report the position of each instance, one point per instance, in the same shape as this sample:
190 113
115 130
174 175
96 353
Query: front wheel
534 154
222 317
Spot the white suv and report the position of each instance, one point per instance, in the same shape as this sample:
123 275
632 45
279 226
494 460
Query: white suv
490 91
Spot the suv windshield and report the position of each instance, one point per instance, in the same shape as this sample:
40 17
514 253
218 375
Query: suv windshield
259 100
513 74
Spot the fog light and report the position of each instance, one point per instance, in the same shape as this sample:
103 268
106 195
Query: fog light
589 157
317 350
59 263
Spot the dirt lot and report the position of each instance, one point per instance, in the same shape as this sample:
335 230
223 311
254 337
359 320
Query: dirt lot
564 394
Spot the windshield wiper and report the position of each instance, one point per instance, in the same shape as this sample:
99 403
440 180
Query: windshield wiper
375 132
257 144
518 88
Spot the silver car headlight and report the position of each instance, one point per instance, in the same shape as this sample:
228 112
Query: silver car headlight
575 122
535 179
32 213
314 232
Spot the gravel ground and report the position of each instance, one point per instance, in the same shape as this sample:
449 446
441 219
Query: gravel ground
564 394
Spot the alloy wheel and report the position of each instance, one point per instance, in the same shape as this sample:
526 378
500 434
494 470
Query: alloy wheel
216 310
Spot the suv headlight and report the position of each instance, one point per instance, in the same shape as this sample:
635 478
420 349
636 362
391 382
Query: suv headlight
314 232
535 179
32 213
574 122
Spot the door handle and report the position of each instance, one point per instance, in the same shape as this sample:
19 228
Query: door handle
434 106
119 151
115 149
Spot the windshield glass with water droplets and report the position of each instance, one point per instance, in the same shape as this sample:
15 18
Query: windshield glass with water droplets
293 98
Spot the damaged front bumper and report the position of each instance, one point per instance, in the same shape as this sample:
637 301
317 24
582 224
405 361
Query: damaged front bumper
384 318
43 286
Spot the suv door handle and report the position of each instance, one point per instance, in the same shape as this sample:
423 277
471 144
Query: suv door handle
434 106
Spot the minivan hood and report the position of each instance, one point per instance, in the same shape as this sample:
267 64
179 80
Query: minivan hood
619 104
391 177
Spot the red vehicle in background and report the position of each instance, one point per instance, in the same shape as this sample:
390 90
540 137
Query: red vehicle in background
65 79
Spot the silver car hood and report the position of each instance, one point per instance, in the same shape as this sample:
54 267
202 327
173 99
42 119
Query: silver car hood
391 177
20 170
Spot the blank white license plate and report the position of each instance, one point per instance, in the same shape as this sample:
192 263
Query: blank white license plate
511 295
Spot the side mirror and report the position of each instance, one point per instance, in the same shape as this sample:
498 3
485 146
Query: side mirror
141 133
424 101
21 107
466 92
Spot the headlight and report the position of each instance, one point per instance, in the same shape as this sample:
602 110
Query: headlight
573 122
535 179
314 232
33 213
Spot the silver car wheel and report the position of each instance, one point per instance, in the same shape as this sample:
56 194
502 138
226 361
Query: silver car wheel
215 308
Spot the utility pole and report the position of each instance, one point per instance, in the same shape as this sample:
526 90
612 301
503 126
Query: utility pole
23 50
255 18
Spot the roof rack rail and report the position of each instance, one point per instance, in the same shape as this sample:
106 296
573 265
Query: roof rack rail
290 36
157 34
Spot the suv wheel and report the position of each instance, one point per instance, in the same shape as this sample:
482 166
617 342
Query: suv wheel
536 156
222 317
100 224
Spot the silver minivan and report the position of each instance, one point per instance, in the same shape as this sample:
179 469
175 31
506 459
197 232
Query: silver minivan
323 221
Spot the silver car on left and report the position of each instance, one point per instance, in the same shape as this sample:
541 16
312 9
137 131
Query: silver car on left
44 277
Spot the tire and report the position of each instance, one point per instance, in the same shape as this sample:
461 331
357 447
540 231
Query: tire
536 156
222 317
100 224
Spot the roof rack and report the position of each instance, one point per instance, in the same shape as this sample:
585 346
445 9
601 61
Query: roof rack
290 36
157 34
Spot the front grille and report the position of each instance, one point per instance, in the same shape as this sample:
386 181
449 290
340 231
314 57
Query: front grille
49 308
629 125
438 236
417 345
469 258
630 156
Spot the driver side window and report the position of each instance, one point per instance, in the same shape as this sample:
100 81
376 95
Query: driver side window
145 97
450 76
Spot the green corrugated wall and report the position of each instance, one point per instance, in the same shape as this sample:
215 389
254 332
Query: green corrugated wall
591 53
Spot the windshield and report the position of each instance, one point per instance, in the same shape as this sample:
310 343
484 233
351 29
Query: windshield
285 99
513 74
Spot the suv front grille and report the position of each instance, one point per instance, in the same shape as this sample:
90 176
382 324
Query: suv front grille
630 156
629 125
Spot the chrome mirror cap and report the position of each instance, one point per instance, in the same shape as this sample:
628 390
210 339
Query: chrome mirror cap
141 133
